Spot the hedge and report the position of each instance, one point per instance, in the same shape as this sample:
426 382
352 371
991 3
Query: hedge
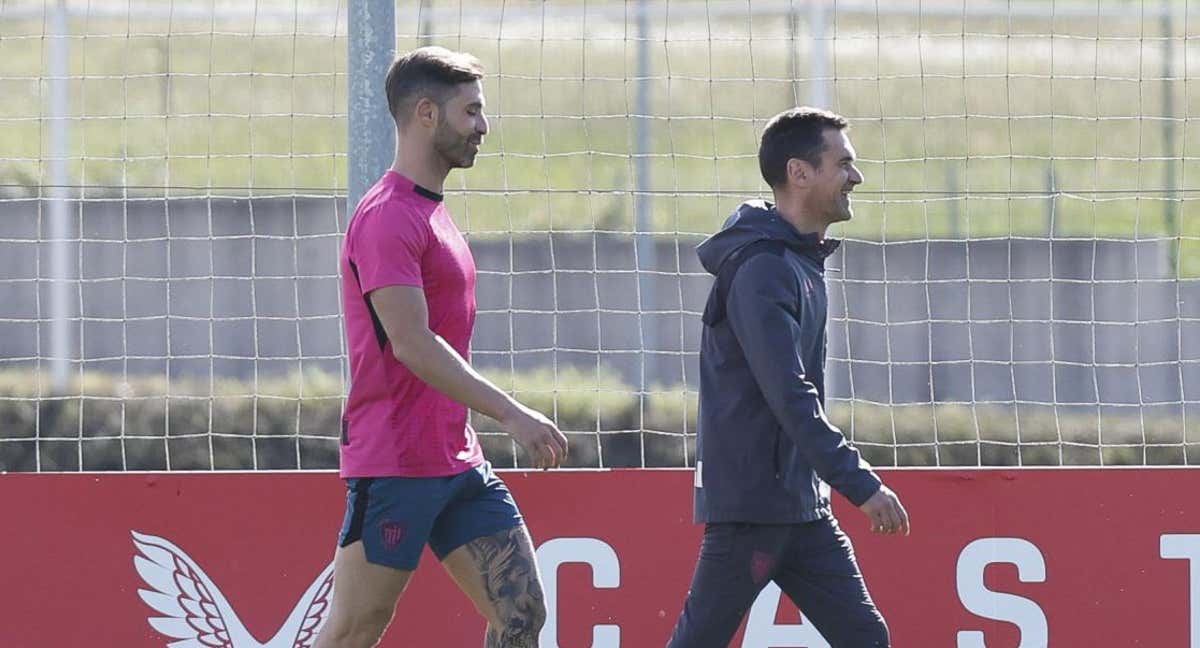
107 422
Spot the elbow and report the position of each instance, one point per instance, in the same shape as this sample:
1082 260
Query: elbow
403 350
399 353
410 348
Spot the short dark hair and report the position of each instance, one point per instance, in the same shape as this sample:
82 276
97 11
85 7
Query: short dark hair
427 72
795 133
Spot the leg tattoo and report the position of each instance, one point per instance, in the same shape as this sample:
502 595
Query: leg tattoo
510 576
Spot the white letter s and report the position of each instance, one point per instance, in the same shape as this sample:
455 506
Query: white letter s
978 599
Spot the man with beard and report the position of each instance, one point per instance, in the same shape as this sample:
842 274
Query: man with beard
414 471
766 454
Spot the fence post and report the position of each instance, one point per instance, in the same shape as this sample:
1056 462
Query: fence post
58 216
372 47
644 238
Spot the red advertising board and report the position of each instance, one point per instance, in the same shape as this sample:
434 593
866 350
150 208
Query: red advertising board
997 558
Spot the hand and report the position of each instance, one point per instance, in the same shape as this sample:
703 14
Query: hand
538 435
886 512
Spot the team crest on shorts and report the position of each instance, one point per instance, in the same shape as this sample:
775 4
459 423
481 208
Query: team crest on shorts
393 533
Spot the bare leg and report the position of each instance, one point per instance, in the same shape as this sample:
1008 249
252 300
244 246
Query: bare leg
364 600
499 574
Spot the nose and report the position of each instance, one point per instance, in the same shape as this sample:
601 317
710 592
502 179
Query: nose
856 176
482 126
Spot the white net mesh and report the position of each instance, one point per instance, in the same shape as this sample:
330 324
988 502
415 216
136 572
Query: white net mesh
170 227
1018 285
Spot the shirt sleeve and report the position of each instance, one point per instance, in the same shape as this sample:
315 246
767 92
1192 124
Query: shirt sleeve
388 249
762 314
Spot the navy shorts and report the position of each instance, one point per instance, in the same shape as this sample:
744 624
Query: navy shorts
395 517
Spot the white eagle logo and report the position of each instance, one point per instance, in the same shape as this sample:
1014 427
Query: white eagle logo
197 614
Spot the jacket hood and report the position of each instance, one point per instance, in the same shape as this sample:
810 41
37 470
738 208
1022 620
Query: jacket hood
755 220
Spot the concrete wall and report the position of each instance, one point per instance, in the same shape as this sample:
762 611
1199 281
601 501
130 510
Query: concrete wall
230 287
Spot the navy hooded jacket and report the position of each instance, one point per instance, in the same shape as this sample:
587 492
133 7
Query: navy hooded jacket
766 453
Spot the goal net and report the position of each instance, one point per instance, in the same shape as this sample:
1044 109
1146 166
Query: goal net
1018 285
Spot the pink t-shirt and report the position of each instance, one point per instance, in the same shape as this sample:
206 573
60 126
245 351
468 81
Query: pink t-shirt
395 424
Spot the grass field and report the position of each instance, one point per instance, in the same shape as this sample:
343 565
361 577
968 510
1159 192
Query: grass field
960 121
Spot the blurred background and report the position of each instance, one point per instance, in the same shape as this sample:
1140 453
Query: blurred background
1019 285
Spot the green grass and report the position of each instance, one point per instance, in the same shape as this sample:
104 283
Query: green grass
933 111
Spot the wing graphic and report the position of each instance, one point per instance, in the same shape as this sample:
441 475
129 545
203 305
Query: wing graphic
194 610
301 628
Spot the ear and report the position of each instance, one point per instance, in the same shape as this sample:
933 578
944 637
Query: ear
427 113
799 171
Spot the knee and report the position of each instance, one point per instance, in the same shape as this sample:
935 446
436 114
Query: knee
537 617
876 635
361 629
520 626
861 633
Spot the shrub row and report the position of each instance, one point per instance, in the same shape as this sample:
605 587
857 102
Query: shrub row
106 422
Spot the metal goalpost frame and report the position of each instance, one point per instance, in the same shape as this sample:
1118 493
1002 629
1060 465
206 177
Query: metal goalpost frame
371 44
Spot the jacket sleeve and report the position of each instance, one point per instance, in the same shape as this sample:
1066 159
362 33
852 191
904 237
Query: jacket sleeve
761 310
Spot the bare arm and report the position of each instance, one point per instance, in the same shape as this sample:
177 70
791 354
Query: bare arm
405 317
